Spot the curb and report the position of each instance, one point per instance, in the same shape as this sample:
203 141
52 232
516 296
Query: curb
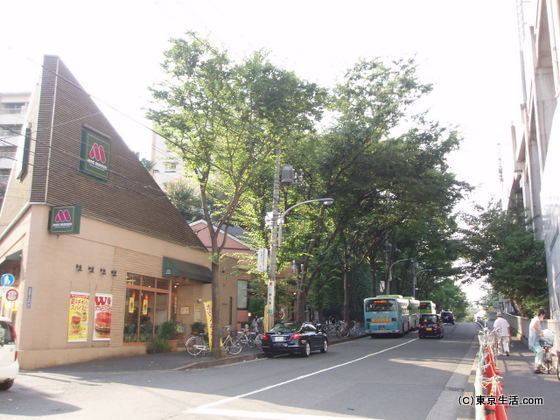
228 360
204 364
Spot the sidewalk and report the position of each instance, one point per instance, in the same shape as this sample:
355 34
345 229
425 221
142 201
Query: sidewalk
179 360
519 382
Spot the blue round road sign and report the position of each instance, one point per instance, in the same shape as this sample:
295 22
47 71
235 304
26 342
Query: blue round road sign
7 279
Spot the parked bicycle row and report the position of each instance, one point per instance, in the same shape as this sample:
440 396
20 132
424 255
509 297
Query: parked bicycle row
235 341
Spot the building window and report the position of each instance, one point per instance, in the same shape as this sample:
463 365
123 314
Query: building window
170 167
147 307
13 107
10 130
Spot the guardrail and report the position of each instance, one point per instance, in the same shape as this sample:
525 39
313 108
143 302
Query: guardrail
488 390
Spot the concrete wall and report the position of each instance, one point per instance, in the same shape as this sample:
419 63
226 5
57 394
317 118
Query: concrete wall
520 327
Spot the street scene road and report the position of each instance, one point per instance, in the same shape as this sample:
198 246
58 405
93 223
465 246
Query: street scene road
384 378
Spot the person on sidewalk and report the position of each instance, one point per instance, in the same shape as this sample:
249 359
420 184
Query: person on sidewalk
535 333
504 333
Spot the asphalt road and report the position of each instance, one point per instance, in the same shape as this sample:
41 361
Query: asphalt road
382 378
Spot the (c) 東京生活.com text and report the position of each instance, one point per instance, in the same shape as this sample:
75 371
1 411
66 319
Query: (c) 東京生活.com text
491 400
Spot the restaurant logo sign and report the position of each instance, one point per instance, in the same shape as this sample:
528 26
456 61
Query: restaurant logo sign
65 219
95 155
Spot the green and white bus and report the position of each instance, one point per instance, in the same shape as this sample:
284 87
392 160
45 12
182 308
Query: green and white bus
414 312
387 314
427 307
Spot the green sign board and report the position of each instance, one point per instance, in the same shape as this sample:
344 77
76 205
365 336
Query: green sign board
65 219
95 155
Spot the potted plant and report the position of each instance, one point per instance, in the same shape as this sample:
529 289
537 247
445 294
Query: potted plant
198 328
168 332
158 345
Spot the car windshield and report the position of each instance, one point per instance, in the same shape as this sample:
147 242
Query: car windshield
287 327
432 319
6 336
383 305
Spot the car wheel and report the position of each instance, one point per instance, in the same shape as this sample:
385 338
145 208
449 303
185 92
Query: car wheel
307 349
325 346
4 386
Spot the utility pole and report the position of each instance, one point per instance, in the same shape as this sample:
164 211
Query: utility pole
273 245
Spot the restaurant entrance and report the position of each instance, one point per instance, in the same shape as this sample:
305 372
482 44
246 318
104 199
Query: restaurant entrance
147 307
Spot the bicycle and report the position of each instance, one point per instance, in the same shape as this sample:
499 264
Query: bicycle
355 330
336 329
244 338
198 345
557 362
255 339
495 342
342 329
547 359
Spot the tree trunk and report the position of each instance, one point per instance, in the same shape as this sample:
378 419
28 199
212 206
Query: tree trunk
301 304
346 284
216 325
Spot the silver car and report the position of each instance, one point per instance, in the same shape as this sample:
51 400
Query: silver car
9 365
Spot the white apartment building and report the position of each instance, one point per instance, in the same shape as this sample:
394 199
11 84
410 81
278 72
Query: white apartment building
13 110
167 167
537 142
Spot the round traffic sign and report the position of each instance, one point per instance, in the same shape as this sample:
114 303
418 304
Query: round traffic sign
12 295
7 279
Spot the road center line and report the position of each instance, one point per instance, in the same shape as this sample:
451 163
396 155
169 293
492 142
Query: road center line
204 407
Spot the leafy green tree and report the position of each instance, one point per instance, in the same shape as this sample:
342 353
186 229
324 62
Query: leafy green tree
185 198
379 181
226 121
501 247
148 164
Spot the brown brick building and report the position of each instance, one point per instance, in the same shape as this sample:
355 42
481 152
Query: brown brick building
99 255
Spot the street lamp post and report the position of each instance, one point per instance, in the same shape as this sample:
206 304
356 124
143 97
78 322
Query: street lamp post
414 281
390 275
274 244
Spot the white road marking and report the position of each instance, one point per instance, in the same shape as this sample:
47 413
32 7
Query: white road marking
267 415
208 409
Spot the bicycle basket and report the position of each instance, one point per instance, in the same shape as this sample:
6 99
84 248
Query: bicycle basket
546 341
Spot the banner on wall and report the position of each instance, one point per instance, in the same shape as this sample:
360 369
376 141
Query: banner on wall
78 317
208 310
265 318
102 317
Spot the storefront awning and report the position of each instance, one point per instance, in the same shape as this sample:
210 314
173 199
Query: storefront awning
16 256
11 260
177 268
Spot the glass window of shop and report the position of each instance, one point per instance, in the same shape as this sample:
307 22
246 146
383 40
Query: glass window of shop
147 307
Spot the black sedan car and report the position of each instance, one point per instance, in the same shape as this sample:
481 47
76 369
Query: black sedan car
430 325
294 338
448 317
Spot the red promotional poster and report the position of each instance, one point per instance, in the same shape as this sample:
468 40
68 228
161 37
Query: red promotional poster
102 317
78 316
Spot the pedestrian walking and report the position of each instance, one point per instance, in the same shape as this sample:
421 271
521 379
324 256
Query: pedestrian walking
535 333
504 332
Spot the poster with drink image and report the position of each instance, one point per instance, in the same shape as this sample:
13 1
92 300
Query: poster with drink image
78 317
102 317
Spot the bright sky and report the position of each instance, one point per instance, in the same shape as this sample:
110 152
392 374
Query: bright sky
468 49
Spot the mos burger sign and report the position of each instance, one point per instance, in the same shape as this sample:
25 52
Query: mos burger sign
65 219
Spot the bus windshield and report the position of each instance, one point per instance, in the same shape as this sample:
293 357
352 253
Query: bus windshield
380 305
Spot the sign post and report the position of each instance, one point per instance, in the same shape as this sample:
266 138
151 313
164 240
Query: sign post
6 281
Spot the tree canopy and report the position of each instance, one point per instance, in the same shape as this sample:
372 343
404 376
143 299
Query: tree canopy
226 120
501 247
386 169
